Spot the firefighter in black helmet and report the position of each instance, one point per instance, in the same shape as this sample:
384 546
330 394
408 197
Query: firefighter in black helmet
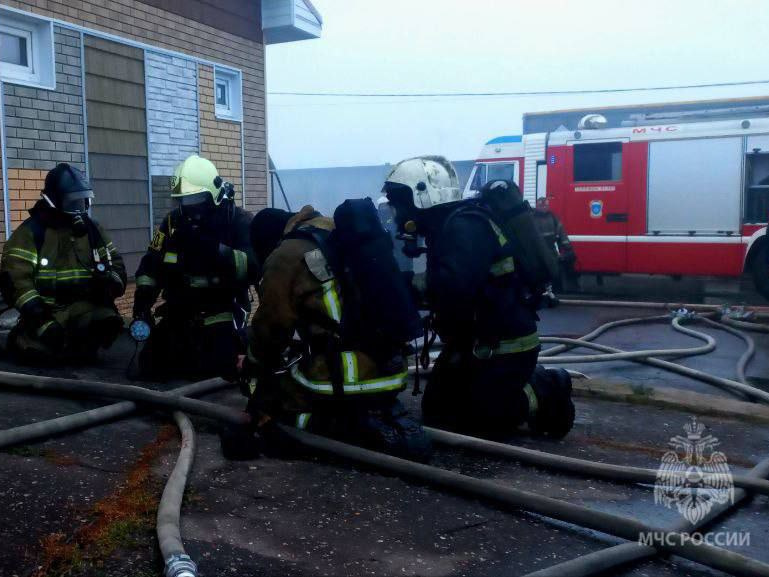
200 259
63 274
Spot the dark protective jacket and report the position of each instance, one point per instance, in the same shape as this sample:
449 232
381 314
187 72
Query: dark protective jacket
553 232
298 293
47 262
478 301
208 270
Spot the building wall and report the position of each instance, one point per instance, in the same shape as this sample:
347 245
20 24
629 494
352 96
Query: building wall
117 144
158 27
172 111
219 139
44 127
134 144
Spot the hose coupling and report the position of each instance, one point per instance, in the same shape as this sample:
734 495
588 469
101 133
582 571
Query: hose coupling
683 314
180 565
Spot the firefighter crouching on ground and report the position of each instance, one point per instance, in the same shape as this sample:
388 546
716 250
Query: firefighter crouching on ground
328 288
556 239
486 380
200 260
62 273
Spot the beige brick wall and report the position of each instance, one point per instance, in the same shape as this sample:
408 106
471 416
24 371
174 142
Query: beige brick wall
24 186
219 139
134 20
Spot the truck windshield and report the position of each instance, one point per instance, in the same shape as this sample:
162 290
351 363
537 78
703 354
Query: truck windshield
494 171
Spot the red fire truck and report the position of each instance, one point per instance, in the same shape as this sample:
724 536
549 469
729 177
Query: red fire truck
674 189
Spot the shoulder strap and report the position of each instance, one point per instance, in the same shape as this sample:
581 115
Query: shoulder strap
322 239
38 232
481 212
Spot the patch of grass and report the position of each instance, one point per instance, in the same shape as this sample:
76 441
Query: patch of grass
121 520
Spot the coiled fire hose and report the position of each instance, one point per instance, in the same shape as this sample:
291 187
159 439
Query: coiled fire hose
630 355
728 384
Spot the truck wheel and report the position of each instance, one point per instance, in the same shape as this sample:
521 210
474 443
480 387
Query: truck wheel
759 268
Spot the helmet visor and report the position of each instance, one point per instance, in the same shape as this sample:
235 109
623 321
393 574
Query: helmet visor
196 199
78 202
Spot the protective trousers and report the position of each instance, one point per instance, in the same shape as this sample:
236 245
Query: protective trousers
86 328
194 348
482 397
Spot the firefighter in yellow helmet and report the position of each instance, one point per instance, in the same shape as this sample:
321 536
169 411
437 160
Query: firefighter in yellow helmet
63 274
200 260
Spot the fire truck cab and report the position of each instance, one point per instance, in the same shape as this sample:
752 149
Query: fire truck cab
662 189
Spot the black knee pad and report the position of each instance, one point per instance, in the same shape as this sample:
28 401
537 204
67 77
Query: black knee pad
555 410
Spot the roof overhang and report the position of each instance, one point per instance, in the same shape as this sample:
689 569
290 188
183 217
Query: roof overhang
290 20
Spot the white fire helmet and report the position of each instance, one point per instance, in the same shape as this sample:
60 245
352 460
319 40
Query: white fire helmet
432 180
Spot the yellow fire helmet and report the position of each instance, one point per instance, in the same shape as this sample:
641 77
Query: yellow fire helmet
193 179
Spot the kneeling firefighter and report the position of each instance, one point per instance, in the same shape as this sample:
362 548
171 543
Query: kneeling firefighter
63 274
486 264
200 259
335 284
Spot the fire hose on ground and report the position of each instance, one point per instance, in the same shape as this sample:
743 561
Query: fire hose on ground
582 516
177 562
98 416
712 556
606 523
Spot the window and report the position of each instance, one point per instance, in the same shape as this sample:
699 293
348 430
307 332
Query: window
486 172
227 93
479 177
599 161
15 47
501 171
756 187
223 94
26 50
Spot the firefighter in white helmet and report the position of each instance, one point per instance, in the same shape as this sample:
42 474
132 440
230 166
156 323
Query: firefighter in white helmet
486 380
201 261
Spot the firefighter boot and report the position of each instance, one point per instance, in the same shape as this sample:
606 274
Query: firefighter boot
554 414
391 430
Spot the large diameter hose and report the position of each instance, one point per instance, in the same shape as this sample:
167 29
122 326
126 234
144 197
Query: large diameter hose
612 557
745 325
127 392
759 311
643 354
728 384
177 562
607 523
571 464
597 332
59 425
742 363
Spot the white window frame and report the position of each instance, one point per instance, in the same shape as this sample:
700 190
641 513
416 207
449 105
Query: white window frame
232 80
17 70
40 71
